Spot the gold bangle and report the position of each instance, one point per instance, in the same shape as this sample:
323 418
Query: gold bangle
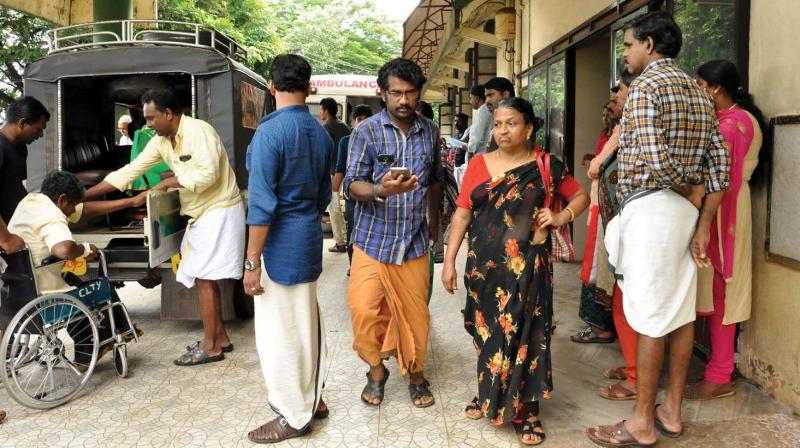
571 214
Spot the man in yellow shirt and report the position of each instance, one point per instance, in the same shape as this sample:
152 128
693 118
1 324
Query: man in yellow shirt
213 246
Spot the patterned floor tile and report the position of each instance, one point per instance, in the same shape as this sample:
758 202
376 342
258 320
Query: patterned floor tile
215 405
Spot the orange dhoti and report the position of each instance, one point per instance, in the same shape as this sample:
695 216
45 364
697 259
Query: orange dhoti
389 308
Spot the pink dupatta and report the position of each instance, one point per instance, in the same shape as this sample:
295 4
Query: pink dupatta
736 128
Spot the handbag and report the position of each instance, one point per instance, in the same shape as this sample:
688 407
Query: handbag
607 193
562 250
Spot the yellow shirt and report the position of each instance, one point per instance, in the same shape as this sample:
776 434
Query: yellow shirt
42 225
198 160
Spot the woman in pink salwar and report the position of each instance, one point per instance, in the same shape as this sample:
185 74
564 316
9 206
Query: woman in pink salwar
725 289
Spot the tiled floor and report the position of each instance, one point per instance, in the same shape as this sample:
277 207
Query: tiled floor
161 405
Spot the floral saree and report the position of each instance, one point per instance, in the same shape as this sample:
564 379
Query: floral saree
509 305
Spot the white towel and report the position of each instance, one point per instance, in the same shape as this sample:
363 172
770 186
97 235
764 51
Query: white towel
648 247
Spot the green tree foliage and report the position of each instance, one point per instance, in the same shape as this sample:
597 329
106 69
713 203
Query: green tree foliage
337 36
245 21
22 40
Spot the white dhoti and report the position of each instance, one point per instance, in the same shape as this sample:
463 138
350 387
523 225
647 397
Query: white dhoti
648 247
290 337
213 246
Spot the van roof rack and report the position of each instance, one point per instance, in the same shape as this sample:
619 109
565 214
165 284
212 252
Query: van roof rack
111 33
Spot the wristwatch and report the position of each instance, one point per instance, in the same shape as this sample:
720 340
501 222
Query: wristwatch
251 265
375 196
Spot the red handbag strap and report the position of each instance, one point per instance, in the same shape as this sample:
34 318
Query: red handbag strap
543 162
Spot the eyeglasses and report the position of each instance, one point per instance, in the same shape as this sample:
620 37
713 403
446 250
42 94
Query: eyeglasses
410 95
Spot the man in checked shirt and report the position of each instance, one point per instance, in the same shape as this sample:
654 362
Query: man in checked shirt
389 277
672 162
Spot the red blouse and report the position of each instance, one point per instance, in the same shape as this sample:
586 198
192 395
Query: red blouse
477 174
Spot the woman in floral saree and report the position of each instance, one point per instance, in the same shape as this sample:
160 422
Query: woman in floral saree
508 275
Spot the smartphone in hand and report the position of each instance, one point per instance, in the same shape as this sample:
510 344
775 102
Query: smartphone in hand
400 172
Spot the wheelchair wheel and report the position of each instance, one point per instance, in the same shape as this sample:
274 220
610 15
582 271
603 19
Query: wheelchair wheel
121 360
50 348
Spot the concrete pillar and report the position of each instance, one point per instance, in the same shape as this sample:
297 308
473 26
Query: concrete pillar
111 10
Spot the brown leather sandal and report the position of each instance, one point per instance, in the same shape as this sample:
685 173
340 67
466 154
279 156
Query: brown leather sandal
617 373
613 436
617 392
2 416
276 431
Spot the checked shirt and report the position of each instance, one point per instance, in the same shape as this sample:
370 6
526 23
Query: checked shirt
670 134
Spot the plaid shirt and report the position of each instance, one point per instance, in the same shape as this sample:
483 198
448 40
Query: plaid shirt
670 134
395 230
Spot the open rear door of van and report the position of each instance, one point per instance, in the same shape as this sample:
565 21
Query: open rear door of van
164 226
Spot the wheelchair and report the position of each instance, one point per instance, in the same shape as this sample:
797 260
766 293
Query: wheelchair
52 342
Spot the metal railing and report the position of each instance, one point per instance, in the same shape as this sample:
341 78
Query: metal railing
139 32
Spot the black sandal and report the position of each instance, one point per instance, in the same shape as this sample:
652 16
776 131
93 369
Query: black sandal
375 388
473 406
417 391
525 427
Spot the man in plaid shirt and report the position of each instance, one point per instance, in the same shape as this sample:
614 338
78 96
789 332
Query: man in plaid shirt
389 277
672 162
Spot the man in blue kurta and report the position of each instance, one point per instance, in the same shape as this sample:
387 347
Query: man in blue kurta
289 162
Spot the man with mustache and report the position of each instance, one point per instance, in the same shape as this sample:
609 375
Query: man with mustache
389 279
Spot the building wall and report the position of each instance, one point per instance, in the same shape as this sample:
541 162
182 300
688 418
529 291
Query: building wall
770 344
551 19
591 91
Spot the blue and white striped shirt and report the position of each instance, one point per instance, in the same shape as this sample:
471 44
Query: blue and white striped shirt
395 230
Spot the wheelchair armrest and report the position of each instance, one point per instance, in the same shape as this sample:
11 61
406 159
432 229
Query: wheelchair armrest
51 259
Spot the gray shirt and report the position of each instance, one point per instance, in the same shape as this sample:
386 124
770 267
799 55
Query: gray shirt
481 130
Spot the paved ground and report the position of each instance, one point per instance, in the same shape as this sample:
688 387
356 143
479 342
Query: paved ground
161 405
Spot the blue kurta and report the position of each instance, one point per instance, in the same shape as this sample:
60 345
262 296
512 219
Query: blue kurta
289 161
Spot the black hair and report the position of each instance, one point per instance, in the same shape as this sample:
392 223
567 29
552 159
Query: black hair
478 91
660 26
329 104
290 73
163 99
462 115
401 68
425 109
626 77
723 73
362 110
501 85
57 183
525 108
27 108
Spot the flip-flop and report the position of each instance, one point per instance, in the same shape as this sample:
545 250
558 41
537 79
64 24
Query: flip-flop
588 336
227 349
473 406
197 356
603 435
663 429
617 392
617 373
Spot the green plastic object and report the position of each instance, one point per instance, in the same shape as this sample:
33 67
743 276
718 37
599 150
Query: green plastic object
153 176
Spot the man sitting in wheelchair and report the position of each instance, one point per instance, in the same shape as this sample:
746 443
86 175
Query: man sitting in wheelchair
42 221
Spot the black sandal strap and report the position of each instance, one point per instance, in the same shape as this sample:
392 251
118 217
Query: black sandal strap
473 405
417 391
375 388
